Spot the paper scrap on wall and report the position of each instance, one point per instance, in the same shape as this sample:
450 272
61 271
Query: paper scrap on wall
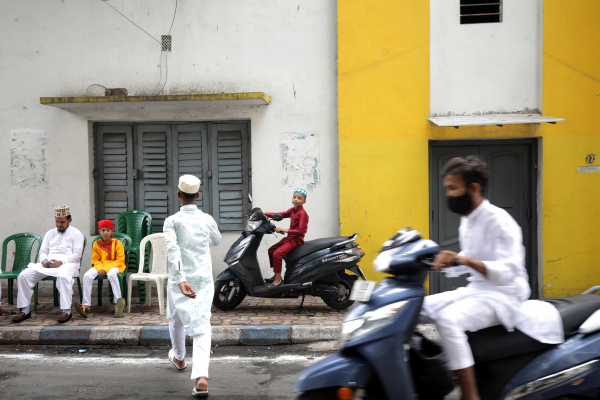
300 159
28 167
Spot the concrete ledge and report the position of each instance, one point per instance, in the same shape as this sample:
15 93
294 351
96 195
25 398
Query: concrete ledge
311 333
17 335
65 335
125 335
275 334
159 335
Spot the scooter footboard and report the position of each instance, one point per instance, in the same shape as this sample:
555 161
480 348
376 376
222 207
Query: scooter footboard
335 371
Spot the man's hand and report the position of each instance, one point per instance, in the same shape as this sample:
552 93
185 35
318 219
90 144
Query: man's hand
55 263
186 289
44 264
102 273
280 230
444 259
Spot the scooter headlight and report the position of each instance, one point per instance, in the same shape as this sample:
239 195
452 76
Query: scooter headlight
252 225
240 250
370 321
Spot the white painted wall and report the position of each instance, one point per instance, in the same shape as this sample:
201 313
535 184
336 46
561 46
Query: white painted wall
486 68
60 47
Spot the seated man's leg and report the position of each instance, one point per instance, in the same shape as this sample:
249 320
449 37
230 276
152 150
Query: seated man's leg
113 278
201 357
470 314
25 284
88 280
65 288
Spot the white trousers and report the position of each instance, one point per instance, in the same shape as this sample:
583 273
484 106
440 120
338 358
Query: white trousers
201 349
30 277
468 314
88 280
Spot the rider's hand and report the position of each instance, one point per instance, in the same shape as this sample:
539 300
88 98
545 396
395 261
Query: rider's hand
279 230
186 289
102 273
444 259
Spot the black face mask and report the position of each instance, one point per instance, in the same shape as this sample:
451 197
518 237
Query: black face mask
460 205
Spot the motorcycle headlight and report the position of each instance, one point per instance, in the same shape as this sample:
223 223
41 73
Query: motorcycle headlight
370 321
383 260
252 225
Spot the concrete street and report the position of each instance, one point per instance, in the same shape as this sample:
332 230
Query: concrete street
136 372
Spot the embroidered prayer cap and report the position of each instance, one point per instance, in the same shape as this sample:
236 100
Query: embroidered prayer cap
301 191
106 223
62 211
189 184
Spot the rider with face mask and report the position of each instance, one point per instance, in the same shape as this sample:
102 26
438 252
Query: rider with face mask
492 253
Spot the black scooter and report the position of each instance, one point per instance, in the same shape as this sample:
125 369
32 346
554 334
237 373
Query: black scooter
316 268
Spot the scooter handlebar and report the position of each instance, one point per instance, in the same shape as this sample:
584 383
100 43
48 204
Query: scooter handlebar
429 262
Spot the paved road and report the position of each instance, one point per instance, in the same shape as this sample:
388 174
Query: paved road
121 372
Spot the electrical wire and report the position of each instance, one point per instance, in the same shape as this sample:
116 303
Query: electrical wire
174 14
166 56
93 84
153 38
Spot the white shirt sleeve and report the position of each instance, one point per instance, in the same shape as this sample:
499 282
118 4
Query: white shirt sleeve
173 253
509 253
215 235
45 249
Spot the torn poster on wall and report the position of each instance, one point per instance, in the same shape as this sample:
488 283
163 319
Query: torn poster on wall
28 165
300 159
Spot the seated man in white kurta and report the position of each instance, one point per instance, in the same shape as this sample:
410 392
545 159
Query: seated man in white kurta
492 253
59 256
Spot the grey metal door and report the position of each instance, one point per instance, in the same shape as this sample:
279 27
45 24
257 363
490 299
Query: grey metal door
512 186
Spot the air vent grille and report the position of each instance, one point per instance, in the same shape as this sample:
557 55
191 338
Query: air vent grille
166 42
480 11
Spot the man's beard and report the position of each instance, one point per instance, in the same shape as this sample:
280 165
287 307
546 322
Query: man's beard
61 231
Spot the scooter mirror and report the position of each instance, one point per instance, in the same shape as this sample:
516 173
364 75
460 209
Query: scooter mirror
277 217
249 197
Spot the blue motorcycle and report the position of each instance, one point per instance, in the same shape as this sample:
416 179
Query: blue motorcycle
383 357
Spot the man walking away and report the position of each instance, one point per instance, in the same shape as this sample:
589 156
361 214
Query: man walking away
190 289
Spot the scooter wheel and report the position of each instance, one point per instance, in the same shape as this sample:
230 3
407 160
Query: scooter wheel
224 299
342 302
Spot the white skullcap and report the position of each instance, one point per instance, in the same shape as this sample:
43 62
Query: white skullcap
62 211
189 184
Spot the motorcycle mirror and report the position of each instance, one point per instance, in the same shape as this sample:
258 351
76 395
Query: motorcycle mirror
277 217
249 197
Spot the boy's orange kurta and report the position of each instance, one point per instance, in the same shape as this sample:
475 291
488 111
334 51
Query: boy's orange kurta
107 256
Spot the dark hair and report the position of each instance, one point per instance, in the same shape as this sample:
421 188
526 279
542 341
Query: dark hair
471 169
188 195
68 217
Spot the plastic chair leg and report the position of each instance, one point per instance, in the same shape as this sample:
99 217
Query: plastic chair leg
100 284
129 296
80 292
123 287
110 293
35 298
149 294
161 300
10 292
55 293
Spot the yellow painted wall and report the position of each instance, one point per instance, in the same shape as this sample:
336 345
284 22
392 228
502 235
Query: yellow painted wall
383 52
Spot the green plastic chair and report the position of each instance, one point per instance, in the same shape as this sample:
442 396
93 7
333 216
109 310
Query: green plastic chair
137 224
23 245
126 240
53 279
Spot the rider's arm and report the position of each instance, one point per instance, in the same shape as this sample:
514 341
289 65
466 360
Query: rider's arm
302 226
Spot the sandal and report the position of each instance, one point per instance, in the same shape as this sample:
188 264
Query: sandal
119 307
200 393
80 310
270 280
275 285
172 357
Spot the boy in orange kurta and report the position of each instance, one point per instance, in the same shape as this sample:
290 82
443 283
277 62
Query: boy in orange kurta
108 259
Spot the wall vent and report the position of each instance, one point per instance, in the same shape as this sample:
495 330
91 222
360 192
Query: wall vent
166 42
480 11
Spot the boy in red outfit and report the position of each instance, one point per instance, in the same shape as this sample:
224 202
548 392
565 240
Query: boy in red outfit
295 238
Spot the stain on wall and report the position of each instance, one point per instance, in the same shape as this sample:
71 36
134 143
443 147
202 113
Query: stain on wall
300 159
28 166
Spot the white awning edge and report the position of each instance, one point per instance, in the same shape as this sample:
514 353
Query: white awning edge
493 119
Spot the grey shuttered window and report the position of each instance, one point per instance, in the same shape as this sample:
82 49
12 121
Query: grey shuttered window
138 167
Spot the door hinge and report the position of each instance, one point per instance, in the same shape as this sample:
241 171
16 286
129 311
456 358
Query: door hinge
529 213
95 173
209 174
535 166
136 173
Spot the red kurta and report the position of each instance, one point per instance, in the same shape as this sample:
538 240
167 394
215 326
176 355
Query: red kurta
295 236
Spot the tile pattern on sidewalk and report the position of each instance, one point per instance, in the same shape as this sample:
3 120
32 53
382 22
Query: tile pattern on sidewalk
252 311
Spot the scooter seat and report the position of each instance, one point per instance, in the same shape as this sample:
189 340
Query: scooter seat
311 246
496 343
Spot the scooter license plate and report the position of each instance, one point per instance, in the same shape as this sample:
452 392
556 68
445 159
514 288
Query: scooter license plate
361 290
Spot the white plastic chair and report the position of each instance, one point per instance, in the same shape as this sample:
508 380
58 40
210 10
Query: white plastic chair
158 270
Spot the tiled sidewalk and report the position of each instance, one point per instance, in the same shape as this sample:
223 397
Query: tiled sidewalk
252 311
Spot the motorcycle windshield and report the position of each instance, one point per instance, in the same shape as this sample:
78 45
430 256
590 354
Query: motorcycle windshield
256 215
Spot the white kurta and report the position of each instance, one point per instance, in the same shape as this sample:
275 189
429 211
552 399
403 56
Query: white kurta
489 234
188 235
66 247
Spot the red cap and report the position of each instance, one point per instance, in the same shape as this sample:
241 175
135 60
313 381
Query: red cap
105 223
